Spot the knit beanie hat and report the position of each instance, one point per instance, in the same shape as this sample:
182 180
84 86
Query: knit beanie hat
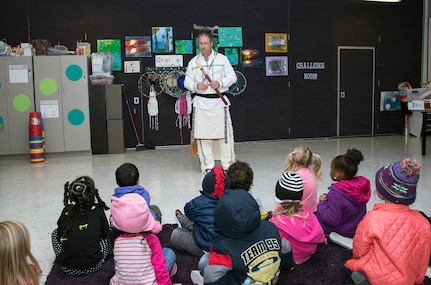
130 214
215 182
397 182
289 188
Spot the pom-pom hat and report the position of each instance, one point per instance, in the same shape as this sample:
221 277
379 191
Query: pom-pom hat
130 214
215 182
289 188
397 182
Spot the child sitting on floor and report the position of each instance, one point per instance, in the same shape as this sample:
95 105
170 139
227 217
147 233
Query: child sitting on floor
247 248
344 206
392 244
300 160
18 265
295 222
138 254
241 176
127 177
198 229
82 240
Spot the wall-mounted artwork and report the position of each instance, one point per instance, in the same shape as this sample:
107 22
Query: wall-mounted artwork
232 54
139 46
390 101
276 66
114 47
276 42
215 46
162 39
252 57
184 46
230 36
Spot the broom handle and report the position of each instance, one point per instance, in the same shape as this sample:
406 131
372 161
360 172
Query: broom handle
210 80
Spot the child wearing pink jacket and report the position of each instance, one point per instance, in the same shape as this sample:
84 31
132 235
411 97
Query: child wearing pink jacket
295 222
137 241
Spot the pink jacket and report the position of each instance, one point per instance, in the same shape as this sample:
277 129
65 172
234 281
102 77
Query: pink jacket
303 235
392 246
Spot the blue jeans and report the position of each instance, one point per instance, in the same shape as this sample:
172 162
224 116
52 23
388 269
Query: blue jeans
203 262
170 257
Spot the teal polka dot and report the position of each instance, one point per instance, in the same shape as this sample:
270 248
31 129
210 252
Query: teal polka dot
21 102
1 121
76 117
74 72
48 86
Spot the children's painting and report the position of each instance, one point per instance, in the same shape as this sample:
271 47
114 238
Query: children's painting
230 36
276 66
162 39
390 101
112 46
184 46
276 42
251 57
232 55
139 46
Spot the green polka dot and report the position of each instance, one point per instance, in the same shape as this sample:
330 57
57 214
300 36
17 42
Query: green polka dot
48 86
21 103
76 117
73 72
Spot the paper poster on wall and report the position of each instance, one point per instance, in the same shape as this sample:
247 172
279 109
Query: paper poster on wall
252 57
276 42
114 47
132 66
232 54
49 109
230 36
390 101
170 60
162 39
184 46
138 46
18 73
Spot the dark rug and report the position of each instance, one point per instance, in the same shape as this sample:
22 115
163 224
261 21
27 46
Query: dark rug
325 267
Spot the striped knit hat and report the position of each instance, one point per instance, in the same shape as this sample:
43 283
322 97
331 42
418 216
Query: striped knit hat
289 188
397 182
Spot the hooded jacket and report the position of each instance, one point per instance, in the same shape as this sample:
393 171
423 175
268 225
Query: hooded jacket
392 246
246 246
345 206
200 210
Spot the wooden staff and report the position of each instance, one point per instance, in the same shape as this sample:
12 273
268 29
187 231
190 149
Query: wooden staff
210 80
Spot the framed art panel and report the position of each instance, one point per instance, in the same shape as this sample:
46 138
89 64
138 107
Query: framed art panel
276 66
137 46
276 42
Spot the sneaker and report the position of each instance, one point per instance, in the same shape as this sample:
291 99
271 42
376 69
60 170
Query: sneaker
173 270
196 277
359 278
179 215
341 240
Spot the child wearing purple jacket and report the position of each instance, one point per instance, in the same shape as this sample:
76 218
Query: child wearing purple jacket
343 207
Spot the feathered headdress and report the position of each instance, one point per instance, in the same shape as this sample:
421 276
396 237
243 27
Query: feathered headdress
206 29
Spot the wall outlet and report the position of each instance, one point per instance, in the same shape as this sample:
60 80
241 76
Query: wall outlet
136 100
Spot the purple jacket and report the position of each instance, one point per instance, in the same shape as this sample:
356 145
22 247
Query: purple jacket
345 206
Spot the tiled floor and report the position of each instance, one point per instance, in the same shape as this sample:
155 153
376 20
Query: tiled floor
33 194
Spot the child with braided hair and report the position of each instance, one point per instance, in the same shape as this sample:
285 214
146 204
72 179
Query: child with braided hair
343 207
82 240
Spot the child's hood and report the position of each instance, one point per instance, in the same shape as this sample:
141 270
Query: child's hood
237 213
359 188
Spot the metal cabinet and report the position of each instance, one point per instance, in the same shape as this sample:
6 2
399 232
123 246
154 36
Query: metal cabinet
61 95
16 103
